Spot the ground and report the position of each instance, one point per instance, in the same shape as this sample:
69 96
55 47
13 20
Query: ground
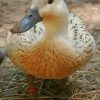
86 81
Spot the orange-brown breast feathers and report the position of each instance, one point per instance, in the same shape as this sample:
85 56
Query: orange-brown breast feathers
48 61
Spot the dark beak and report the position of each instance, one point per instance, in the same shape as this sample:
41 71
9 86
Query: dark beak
32 17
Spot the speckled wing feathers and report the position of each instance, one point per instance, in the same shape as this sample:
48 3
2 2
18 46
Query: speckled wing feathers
82 41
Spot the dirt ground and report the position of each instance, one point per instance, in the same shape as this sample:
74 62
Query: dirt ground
86 80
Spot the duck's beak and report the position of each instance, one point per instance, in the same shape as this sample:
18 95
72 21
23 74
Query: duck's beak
32 17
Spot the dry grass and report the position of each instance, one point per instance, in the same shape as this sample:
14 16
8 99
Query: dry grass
82 85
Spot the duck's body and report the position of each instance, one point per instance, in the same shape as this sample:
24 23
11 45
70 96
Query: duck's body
46 55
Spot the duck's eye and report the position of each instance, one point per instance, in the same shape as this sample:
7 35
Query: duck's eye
50 1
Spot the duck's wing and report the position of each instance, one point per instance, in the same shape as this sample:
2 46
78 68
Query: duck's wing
82 41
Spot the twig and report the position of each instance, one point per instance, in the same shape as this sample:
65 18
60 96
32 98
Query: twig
11 81
94 97
41 85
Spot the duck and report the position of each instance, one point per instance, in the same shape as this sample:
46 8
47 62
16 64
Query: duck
50 42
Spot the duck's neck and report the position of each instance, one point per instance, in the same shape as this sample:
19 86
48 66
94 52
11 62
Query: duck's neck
56 25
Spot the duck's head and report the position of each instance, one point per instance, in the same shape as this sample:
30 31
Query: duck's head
53 14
